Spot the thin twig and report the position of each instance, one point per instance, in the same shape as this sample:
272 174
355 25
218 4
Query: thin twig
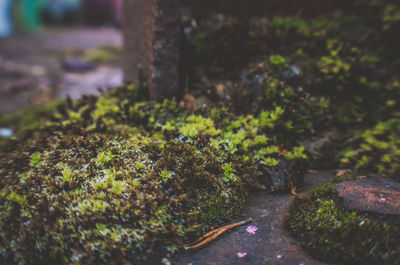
214 234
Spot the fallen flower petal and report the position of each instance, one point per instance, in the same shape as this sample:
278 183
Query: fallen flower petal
278 256
251 229
241 254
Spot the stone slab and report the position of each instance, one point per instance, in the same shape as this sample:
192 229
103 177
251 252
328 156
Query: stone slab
378 195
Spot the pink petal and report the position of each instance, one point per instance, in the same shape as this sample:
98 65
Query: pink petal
241 254
251 229
278 256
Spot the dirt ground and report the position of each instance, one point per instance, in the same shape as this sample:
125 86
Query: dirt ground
31 66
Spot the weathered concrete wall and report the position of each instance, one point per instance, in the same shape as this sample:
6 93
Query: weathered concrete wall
151 44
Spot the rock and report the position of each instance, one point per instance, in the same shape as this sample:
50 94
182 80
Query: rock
376 195
286 175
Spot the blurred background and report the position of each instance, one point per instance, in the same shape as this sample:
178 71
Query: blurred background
52 49
31 15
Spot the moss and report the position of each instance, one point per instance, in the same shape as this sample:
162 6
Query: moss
377 150
102 54
277 61
36 158
132 198
193 126
116 178
29 118
113 179
105 54
391 15
332 234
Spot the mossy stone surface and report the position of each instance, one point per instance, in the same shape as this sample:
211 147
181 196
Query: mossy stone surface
375 195
333 234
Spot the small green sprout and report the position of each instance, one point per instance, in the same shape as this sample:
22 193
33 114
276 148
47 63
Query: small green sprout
270 161
14 197
104 158
277 61
166 174
67 174
229 173
36 158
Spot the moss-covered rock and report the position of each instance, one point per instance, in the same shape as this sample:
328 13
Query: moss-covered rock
95 198
331 233
110 179
119 178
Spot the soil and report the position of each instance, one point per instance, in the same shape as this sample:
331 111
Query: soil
270 244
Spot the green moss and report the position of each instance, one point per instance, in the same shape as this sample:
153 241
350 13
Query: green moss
106 106
377 150
14 197
287 25
297 153
332 234
391 15
277 61
114 178
102 54
36 158
67 174
105 208
269 118
29 118
269 161
104 158
194 125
